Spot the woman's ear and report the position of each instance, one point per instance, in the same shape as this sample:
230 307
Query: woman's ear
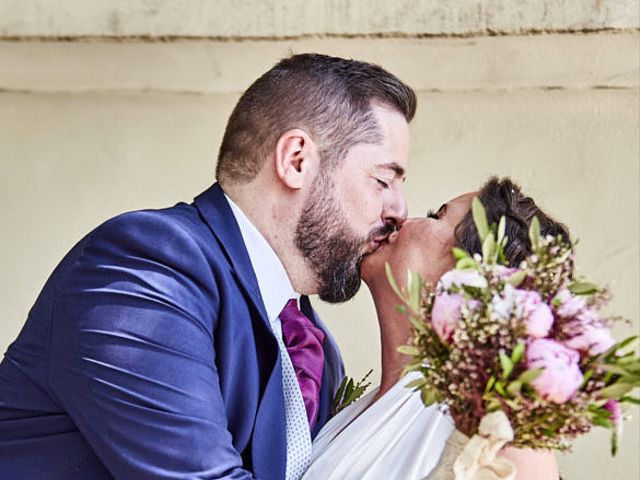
296 158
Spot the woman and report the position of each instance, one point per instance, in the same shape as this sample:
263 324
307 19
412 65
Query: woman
389 434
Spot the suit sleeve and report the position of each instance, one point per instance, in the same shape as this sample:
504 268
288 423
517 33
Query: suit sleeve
132 355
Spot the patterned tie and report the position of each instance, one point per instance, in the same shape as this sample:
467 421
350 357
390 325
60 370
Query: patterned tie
304 345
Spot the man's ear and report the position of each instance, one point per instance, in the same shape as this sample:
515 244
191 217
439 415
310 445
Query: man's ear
296 158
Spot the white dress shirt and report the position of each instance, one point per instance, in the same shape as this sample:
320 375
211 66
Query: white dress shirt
276 290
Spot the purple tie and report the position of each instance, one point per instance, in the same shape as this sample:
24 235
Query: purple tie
304 345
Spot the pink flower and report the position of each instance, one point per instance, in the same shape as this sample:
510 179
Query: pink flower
593 340
539 321
561 376
588 334
614 408
503 272
528 305
471 278
445 314
570 305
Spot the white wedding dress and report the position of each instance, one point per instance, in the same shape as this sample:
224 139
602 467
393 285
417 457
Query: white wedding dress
396 438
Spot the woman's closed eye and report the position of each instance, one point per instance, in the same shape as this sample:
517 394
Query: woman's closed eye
432 214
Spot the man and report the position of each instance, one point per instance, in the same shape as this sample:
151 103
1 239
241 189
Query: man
180 343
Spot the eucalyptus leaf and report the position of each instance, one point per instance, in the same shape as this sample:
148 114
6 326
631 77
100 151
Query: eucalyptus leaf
506 364
534 233
518 352
514 388
408 350
392 281
489 248
459 253
466 264
516 279
502 226
529 376
480 218
616 390
490 383
583 288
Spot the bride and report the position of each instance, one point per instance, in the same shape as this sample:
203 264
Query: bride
389 433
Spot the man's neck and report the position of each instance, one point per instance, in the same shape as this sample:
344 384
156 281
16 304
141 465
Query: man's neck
276 221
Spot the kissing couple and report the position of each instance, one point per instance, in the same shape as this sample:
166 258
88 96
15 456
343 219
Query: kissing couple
181 343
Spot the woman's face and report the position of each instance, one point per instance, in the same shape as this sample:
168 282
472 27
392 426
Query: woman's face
422 245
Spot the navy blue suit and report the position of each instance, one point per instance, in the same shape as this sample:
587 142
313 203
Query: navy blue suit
148 355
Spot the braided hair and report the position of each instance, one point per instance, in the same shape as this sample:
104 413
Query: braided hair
503 197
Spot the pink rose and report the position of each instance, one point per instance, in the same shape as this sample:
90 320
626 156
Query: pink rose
537 314
471 278
528 305
445 314
588 334
593 340
539 321
561 376
570 305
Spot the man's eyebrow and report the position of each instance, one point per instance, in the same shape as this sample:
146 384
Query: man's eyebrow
393 166
442 210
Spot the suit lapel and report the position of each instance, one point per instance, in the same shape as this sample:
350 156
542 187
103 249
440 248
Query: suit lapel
217 213
268 451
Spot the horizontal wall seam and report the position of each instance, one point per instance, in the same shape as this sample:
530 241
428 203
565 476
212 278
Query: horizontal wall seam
308 36
200 93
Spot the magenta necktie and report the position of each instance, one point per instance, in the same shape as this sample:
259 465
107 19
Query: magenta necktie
304 345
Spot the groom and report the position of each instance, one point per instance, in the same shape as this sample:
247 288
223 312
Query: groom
180 343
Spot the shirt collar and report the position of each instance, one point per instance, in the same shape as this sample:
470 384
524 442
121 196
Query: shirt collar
273 281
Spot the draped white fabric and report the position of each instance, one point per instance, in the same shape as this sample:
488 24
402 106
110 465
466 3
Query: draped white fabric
395 438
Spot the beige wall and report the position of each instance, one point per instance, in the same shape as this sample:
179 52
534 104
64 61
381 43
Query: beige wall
90 129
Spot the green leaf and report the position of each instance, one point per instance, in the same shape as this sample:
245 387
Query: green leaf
500 389
392 281
417 383
614 442
466 264
506 364
534 233
429 397
583 288
493 405
602 422
517 278
408 350
489 248
414 285
627 399
514 388
480 218
529 376
502 226
459 253
614 369
616 390
518 352
490 383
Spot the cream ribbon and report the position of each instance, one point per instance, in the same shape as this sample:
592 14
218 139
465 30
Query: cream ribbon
479 458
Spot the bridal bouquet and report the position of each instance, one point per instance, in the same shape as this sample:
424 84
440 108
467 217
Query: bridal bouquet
526 350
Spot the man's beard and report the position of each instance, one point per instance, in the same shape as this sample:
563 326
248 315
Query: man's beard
331 247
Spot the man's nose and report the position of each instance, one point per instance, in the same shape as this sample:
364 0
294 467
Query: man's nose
396 211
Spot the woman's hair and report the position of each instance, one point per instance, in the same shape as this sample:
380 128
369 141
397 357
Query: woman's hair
503 197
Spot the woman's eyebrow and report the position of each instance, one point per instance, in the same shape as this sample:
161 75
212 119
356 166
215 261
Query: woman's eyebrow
442 210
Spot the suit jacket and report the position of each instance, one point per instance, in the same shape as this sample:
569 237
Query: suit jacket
148 355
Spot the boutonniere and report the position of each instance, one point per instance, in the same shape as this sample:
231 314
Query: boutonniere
348 392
